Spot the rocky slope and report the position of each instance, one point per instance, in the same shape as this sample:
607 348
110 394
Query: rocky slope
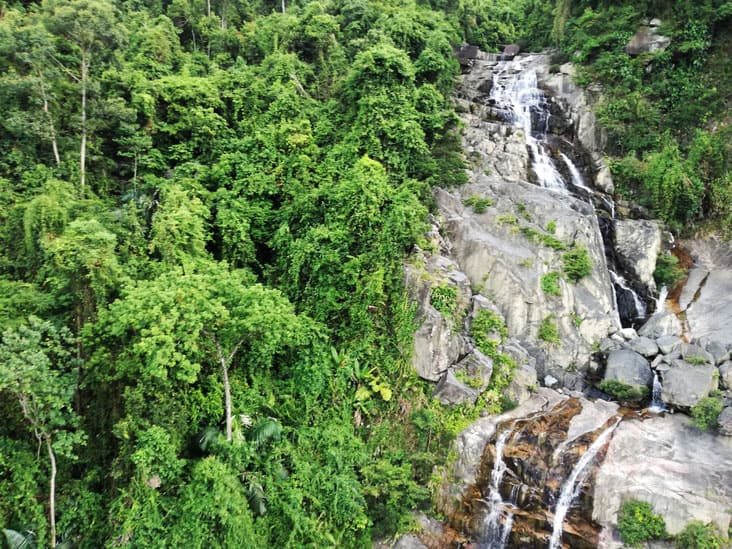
496 241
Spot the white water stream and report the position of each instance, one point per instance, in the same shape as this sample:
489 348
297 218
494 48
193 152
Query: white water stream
573 484
494 534
516 89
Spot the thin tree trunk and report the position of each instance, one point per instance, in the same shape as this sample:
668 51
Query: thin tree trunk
283 6
54 145
52 491
208 8
82 151
227 398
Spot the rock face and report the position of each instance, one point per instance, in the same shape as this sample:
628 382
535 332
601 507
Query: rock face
630 368
725 422
637 244
578 104
709 312
660 325
684 384
682 472
438 342
450 391
647 39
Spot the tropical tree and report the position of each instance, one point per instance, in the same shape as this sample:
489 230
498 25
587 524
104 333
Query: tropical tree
36 369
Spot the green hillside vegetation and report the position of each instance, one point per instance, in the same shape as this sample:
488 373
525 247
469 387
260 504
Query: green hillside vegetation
205 209
668 112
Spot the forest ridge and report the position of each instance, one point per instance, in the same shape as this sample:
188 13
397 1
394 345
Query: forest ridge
206 208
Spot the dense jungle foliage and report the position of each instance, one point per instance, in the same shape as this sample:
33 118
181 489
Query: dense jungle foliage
205 211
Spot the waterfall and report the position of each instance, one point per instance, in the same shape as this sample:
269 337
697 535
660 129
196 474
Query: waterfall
638 306
573 485
577 179
494 535
520 95
661 301
657 405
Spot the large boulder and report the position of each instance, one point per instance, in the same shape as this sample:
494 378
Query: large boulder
682 472
647 40
450 391
724 422
685 384
709 312
437 345
725 375
660 325
478 367
438 342
630 368
644 346
637 243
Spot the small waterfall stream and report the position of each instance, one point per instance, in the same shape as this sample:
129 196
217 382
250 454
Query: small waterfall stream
517 91
495 534
573 484
657 405
628 302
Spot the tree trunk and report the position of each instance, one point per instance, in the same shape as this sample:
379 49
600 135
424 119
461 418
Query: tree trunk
227 396
283 6
52 490
82 150
54 145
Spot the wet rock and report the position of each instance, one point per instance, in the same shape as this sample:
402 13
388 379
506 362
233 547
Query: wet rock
685 384
476 366
637 243
660 325
644 346
471 442
682 472
668 344
450 391
630 368
724 421
725 375
647 40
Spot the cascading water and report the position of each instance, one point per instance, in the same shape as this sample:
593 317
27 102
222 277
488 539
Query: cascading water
573 484
516 90
495 534
661 301
657 405
629 305
577 179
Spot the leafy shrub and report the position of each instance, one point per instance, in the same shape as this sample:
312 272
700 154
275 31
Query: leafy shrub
444 299
622 391
548 330
544 239
550 283
478 203
697 535
638 523
667 271
706 411
484 329
577 263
